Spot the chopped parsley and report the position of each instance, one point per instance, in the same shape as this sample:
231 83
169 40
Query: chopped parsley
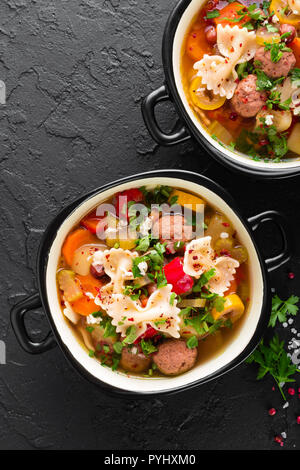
192 342
118 346
130 335
172 298
147 347
204 279
212 14
295 76
277 48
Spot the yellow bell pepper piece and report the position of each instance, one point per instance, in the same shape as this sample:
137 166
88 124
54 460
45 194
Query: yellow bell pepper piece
128 244
278 7
233 309
184 198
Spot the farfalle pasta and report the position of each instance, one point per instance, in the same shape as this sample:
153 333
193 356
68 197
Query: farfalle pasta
218 73
200 257
142 302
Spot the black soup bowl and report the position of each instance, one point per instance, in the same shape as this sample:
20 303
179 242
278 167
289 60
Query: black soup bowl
175 31
243 342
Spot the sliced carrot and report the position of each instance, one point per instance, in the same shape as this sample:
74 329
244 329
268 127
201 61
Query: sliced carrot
79 237
196 44
295 46
86 305
230 12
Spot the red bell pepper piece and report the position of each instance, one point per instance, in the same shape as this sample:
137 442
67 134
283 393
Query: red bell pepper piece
124 197
149 333
95 225
175 275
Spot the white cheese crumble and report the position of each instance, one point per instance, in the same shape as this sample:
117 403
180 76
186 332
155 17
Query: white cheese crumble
91 320
143 266
286 405
145 226
269 119
275 19
224 235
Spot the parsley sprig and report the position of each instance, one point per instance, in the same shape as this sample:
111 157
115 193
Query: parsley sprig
274 360
282 308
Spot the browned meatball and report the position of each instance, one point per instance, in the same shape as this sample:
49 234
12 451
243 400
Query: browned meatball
133 360
172 228
275 69
287 28
174 357
247 101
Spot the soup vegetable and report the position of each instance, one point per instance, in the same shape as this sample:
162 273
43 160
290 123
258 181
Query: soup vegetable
155 283
241 75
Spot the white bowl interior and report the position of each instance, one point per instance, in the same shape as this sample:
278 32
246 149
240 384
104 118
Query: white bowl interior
182 28
139 384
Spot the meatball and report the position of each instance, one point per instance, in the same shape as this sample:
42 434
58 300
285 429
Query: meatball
287 28
275 69
133 360
174 357
172 228
247 101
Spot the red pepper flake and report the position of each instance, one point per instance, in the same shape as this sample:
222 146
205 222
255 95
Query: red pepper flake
224 253
273 389
233 117
272 411
291 275
194 35
264 107
263 142
130 319
226 224
291 391
298 419
279 440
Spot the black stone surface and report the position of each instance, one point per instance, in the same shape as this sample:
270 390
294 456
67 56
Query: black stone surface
76 71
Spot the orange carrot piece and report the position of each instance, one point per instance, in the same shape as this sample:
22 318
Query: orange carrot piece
295 46
231 11
79 237
86 305
196 44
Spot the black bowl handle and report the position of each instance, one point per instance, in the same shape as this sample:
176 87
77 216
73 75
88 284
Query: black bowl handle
148 110
17 316
282 224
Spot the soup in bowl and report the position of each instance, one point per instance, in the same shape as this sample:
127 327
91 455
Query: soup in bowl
241 76
232 72
154 281
152 284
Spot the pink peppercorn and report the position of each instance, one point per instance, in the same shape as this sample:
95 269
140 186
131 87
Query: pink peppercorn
272 411
279 440
298 419
291 391
291 275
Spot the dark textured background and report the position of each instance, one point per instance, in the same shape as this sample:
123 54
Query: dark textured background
76 71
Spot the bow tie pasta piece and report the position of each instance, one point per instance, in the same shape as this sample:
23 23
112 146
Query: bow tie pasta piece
198 257
225 269
158 313
117 264
237 44
218 73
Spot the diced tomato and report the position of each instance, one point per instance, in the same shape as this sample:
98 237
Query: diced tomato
149 333
95 224
124 197
175 275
